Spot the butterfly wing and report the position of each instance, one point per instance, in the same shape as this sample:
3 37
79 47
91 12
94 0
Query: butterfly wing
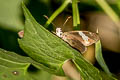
80 39
74 42
85 37
78 45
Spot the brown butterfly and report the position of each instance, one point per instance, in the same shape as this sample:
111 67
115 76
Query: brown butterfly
78 39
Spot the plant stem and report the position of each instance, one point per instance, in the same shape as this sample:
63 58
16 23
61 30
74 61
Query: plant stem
57 12
76 17
118 4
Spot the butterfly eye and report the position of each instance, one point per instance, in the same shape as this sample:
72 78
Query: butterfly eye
58 32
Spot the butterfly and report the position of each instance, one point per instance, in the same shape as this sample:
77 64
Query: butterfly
78 39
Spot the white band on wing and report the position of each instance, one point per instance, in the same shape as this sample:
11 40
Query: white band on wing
84 37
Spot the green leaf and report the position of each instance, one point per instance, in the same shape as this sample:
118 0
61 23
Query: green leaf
43 46
106 76
40 75
15 67
50 51
87 71
101 62
99 57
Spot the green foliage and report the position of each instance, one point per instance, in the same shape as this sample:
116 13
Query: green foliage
98 55
57 12
52 52
47 51
118 4
15 67
43 46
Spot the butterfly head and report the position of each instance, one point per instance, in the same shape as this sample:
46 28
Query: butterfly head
59 32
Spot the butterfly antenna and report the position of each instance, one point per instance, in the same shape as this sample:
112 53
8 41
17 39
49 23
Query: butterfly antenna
48 18
66 20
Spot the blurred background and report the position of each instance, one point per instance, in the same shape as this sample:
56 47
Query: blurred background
92 17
